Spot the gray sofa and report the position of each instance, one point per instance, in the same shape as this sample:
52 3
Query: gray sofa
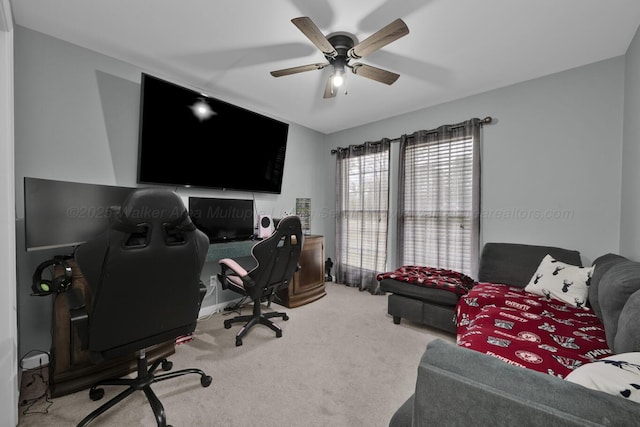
436 307
458 386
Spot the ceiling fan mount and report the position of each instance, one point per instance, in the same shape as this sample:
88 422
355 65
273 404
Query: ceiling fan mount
342 43
339 48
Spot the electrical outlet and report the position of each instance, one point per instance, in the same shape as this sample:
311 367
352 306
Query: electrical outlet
213 282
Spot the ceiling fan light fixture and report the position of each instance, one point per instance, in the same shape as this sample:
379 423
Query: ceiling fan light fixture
338 78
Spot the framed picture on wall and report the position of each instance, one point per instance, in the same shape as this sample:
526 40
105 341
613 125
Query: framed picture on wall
303 210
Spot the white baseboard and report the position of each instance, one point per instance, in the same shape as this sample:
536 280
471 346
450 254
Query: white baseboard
212 309
35 361
216 308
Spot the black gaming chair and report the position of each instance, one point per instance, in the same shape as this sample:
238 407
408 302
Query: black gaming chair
270 267
143 278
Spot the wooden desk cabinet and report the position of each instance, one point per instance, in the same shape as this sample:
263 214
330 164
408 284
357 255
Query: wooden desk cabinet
308 282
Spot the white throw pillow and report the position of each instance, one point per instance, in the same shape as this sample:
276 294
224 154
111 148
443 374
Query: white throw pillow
618 375
566 282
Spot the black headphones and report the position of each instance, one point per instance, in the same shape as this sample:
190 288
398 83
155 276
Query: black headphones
43 287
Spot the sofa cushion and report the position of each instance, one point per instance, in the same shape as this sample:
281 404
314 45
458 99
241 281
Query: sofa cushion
433 295
627 338
618 375
514 264
616 286
431 277
602 264
562 281
529 331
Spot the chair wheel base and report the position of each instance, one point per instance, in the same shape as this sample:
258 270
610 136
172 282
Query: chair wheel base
96 394
206 380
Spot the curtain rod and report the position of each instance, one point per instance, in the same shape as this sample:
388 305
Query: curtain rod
487 120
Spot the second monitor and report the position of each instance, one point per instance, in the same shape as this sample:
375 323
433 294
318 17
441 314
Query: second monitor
223 220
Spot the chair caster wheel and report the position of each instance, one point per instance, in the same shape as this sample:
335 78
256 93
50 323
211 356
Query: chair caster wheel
279 334
285 317
206 381
167 365
227 324
238 342
96 394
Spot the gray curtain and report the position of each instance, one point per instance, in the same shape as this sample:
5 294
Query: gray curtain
362 211
439 197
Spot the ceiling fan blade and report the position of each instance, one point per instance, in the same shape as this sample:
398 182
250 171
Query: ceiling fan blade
380 38
329 90
300 69
373 73
313 33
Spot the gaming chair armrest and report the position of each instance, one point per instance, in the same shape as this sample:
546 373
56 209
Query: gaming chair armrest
78 315
231 271
234 266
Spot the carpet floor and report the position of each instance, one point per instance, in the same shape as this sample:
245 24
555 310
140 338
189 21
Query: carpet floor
340 362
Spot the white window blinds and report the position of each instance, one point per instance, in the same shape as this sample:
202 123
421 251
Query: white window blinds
366 212
362 206
437 218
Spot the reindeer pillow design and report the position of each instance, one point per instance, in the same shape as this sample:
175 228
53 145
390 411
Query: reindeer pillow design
618 375
565 282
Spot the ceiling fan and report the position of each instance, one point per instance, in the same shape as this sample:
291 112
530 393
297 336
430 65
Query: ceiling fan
340 48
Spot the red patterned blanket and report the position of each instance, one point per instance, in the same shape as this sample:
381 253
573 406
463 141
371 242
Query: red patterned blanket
527 330
440 278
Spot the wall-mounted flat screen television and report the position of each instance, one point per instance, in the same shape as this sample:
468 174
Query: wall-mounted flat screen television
190 139
61 214
223 220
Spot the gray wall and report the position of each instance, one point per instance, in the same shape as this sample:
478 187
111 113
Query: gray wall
630 215
550 162
76 119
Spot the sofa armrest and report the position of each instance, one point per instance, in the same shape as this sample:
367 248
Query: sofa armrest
458 386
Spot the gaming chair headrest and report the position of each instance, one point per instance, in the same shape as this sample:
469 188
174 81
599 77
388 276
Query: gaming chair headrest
291 224
152 207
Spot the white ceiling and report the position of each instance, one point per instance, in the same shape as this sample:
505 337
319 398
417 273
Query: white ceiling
455 48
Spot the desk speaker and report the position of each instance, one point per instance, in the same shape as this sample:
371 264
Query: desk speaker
265 226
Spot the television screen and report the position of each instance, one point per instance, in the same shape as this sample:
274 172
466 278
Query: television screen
189 139
60 213
223 220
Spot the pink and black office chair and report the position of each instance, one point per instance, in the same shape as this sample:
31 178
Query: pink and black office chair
143 277
270 267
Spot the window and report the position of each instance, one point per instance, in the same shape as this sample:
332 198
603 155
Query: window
362 182
438 218
438 221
